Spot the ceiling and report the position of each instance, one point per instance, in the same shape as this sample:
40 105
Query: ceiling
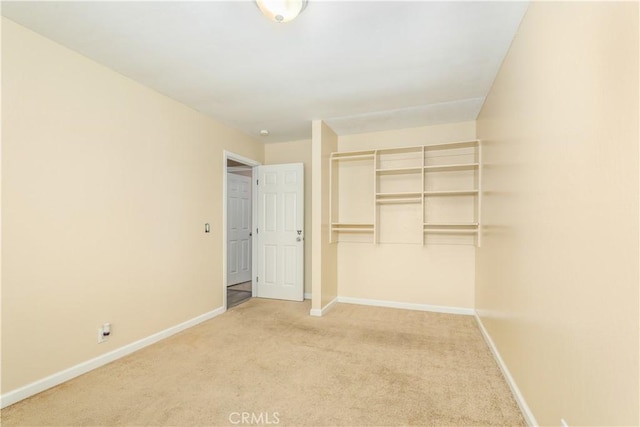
361 66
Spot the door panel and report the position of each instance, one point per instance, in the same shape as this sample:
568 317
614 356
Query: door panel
281 232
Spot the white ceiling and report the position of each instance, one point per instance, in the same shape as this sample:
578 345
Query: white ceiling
361 66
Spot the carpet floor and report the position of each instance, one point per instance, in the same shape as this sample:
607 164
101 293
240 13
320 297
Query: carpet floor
269 362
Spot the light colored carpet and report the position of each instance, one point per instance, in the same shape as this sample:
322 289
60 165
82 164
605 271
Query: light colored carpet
357 366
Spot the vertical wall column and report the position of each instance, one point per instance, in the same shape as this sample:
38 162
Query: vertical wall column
324 281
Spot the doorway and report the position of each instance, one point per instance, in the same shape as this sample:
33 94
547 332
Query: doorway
238 225
265 218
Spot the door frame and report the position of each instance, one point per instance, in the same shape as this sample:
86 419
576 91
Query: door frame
228 155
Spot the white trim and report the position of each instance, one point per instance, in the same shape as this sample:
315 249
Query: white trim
254 226
307 295
408 306
238 158
321 312
528 415
60 377
239 168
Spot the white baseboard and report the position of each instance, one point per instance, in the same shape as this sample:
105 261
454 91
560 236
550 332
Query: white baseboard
408 306
58 378
321 312
307 295
528 415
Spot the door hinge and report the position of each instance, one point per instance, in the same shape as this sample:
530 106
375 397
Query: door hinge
257 231
257 279
257 182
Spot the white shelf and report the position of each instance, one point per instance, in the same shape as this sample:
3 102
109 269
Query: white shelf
449 231
400 200
352 153
451 228
458 166
400 194
414 148
354 157
451 193
440 146
451 225
352 228
398 171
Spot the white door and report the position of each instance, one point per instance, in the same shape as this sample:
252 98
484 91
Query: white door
238 229
280 232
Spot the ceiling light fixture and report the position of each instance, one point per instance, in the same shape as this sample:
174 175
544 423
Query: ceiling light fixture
281 10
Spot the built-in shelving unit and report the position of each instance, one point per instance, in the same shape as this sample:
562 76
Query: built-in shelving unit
439 183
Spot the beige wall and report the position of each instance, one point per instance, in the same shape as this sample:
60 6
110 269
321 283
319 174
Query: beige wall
106 186
557 275
297 152
440 275
324 269
1 210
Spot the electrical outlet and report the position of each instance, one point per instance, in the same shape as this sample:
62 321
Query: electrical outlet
563 423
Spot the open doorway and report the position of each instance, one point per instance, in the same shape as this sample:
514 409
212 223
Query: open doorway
276 214
238 244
